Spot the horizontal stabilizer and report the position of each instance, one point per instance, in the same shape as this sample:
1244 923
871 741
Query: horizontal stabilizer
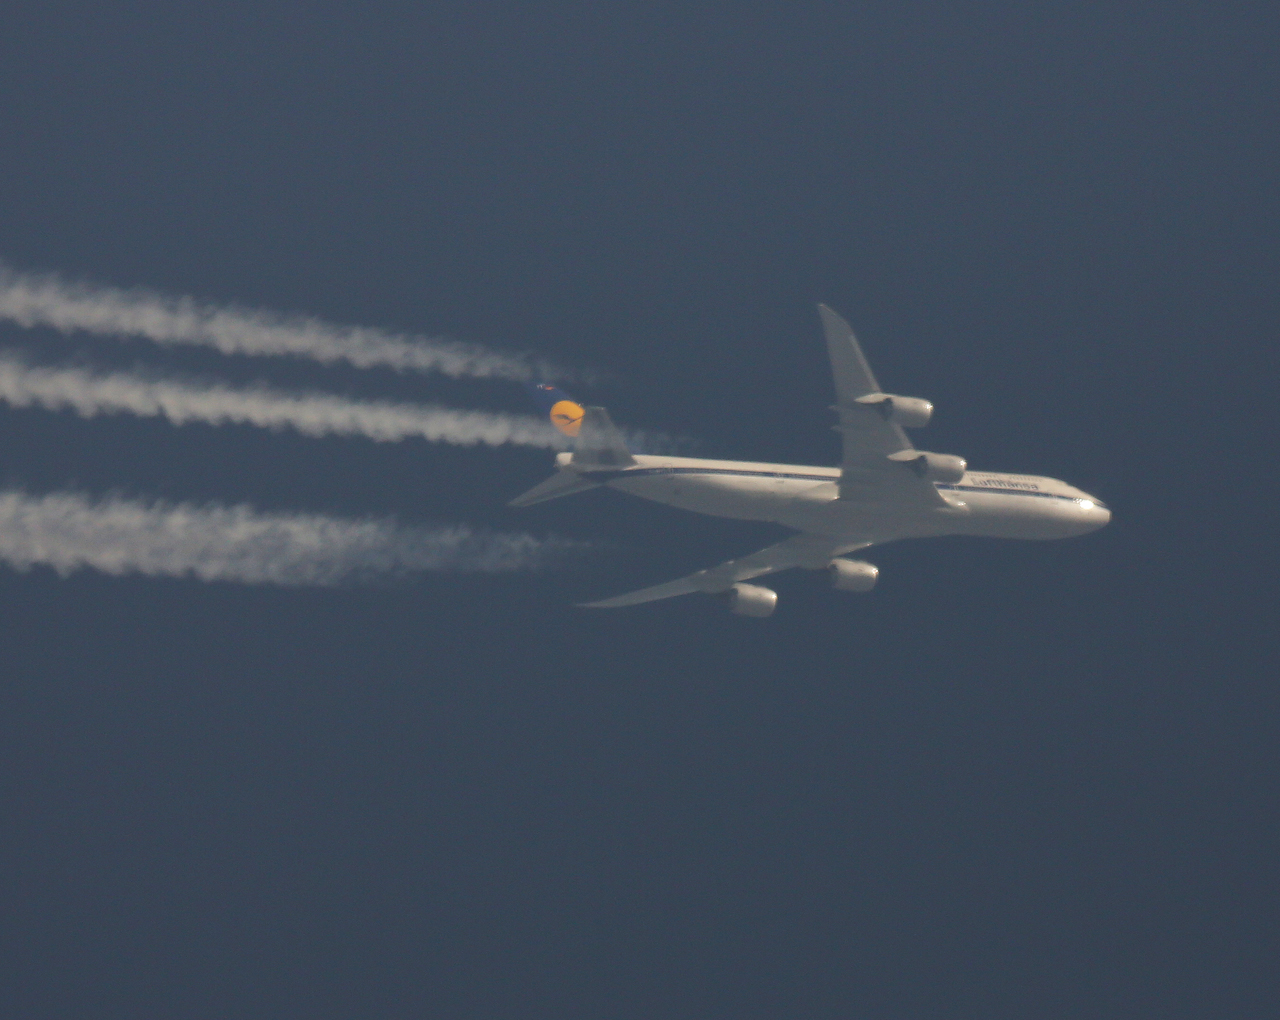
562 483
600 444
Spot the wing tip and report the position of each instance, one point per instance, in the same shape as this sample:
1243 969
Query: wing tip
829 314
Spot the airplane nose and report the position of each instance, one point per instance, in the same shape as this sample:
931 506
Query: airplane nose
1092 515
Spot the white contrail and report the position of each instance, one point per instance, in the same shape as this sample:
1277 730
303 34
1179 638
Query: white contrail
68 531
313 414
45 299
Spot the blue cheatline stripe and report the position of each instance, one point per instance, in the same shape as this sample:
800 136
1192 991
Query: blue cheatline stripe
597 476
1013 492
606 476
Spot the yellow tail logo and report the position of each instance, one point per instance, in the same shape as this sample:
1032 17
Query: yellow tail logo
567 416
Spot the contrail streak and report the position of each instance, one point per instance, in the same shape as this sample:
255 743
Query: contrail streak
313 414
45 299
68 532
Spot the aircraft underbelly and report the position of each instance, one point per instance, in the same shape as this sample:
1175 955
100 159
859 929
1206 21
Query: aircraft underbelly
813 507
749 499
999 515
800 504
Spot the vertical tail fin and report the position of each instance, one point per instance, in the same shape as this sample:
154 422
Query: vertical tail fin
600 444
565 412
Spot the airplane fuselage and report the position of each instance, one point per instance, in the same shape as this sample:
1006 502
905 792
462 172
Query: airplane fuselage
884 490
982 503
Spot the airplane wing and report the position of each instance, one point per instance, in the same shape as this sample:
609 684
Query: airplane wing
812 551
867 473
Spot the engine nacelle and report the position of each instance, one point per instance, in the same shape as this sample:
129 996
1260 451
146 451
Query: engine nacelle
909 412
752 600
852 575
935 467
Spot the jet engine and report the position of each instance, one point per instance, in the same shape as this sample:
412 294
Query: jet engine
852 575
936 467
752 600
909 412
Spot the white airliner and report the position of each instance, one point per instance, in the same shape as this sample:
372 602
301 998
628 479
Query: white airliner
884 490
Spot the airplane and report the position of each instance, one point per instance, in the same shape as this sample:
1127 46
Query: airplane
884 490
